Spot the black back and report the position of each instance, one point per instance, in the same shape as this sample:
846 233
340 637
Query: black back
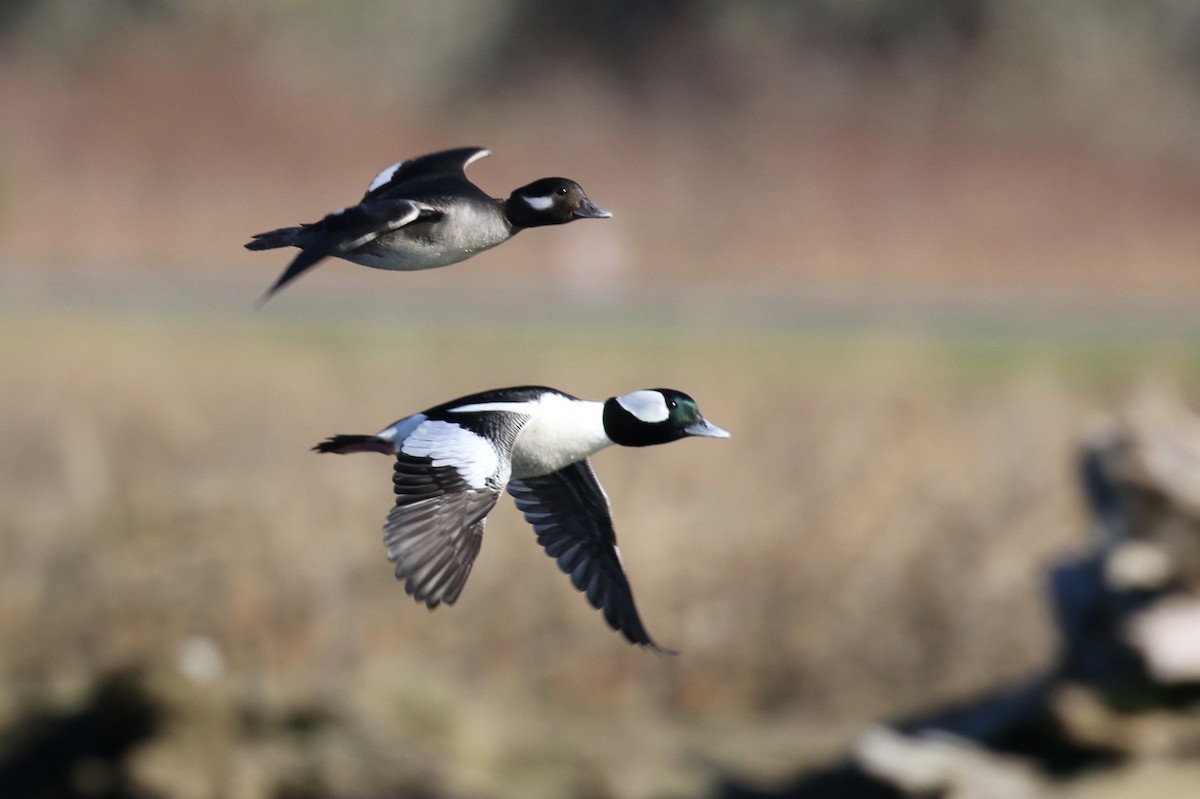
501 427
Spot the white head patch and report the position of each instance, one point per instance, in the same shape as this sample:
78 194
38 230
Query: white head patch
646 406
384 176
539 202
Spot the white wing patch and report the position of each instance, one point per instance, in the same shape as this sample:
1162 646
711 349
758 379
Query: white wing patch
447 444
384 176
647 406
484 153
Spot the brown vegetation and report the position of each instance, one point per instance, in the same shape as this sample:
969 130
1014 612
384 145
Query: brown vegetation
869 541
827 246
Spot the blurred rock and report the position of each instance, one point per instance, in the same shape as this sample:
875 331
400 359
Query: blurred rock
1138 566
936 763
1126 683
1141 477
1168 637
1152 733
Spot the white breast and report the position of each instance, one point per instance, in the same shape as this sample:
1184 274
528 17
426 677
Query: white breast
561 432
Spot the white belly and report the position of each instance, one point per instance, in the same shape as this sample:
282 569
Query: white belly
409 256
423 245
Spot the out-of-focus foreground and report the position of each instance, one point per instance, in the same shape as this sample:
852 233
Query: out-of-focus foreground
904 252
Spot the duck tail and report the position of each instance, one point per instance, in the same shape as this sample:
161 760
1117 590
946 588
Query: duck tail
345 444
283 237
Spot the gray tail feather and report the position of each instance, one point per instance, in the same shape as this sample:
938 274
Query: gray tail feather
283 237
345 444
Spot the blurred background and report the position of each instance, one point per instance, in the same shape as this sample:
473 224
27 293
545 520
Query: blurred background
905 251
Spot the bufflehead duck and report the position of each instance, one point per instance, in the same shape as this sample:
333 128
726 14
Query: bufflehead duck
454 460
424 213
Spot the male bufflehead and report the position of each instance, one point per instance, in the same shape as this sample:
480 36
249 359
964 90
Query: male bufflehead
424 213
454 460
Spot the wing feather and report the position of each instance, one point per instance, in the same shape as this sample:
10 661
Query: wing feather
443 165
573 521
347 230
444 490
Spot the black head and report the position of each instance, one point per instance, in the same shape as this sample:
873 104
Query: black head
655 416
551 201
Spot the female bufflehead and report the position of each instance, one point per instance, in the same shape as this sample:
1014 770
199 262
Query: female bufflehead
424 213
454 460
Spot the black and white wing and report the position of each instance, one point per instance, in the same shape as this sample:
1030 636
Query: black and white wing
573 521
346 230
445 165
446 481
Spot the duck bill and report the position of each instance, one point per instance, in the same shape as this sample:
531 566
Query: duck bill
589 210
706 429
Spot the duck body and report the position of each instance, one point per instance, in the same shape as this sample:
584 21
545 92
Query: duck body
454 460
424 213
440 238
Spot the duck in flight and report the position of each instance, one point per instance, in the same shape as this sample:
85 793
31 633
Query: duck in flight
424 213
454 460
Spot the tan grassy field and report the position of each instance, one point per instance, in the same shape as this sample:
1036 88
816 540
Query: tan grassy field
870 541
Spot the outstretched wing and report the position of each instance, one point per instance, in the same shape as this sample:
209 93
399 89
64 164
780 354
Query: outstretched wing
435 531
447 164
446 481
346 230
573 521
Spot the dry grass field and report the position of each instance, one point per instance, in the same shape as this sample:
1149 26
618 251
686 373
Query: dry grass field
870 541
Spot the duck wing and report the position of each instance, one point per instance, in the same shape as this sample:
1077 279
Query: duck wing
446 480
571 515
445 165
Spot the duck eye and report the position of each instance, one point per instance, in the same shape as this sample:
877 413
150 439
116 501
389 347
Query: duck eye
562 191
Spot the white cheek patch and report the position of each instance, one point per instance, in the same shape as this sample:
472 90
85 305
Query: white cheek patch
384 176
646 406
540 202
447 444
